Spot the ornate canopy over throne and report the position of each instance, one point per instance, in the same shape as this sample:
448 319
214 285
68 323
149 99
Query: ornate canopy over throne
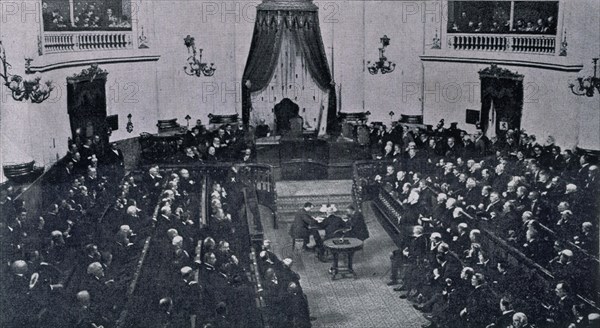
287 61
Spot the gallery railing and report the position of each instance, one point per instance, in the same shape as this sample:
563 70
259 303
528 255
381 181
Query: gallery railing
72 41
515 43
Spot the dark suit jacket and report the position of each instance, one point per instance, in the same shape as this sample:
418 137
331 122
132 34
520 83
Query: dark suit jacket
331 224
505 319
417 248
481 307
300 227
359 227
112 158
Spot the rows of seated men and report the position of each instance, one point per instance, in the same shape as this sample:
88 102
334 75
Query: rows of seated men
223 144
71 266
197 273
286 303
515 193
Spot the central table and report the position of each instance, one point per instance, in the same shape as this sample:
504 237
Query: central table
345 246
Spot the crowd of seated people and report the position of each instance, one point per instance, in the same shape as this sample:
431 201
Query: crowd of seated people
86 15
225 143
71 264
286 303
540 200
465 24
91 15
208 275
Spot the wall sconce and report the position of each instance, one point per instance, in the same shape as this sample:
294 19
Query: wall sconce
586 85
129 126
21 88
195 66
382 64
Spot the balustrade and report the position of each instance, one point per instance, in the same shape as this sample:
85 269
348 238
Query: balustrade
72 41
517 43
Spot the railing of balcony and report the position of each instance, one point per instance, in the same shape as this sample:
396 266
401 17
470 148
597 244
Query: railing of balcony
515 43
72 41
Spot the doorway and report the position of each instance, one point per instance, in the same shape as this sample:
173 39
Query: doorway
86 105
501 101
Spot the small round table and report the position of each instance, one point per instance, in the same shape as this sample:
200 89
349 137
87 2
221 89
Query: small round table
343 246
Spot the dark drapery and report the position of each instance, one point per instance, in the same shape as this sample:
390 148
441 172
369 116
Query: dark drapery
506 90
270 28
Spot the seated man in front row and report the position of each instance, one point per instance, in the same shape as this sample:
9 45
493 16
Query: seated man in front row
305 226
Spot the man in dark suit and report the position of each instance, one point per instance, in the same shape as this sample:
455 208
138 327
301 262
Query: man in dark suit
66 174
480 308
506 318
187 292
304 226
453 150
413 254
151 182
461 242
333 224
212 281
192 138
494 208
481 144
582 173
562 312
262 129
286 274
357 221
536 248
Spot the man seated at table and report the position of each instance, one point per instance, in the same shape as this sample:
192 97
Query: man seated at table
350 225
304 226
333 224
359 226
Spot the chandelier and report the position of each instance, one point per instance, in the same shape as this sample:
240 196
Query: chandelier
21 88
382 64
195 66
586 85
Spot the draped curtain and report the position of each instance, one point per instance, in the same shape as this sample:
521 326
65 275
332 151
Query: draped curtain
286 55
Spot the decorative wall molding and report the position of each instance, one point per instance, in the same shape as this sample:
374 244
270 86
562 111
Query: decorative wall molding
90 74
85 62
555 66
500 73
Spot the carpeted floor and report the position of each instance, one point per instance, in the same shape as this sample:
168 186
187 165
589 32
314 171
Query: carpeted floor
363 302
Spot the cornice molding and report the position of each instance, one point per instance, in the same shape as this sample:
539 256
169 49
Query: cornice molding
572 68
87 62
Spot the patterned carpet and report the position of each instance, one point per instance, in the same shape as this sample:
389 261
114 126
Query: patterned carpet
363 302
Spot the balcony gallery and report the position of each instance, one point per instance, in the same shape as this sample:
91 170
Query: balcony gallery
528 27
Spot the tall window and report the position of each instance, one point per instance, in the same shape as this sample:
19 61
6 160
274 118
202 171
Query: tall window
533 17
76 15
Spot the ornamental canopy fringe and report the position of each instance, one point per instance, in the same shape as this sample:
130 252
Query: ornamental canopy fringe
292 5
